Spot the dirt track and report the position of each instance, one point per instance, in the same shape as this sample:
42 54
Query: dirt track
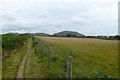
20 73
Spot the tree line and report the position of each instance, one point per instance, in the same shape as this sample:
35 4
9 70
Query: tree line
116 37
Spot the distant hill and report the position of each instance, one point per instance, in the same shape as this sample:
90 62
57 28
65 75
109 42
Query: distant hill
38 34
68 33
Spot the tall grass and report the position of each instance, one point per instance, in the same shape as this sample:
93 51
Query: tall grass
11 64
92 58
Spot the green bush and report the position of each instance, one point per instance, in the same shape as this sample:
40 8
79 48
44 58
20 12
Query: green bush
11 42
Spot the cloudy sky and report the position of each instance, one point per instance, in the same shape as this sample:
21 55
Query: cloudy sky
89 17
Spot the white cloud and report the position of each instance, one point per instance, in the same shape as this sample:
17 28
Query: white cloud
86 16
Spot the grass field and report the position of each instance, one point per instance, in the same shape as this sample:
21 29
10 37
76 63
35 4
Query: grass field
91 58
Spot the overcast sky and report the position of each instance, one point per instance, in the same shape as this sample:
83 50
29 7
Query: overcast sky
89 17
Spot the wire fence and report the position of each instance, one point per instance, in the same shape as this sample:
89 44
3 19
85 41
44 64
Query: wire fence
48 50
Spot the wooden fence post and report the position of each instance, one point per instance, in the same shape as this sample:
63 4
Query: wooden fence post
69 67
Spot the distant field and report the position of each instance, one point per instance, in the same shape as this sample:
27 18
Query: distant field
91 57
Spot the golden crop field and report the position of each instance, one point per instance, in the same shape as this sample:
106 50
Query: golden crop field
90 57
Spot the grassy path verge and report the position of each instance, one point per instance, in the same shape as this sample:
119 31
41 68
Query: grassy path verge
33 65
20 73
10 66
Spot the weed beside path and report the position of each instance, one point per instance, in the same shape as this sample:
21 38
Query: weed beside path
10 65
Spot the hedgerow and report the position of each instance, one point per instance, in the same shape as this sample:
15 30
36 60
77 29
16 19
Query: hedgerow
11 42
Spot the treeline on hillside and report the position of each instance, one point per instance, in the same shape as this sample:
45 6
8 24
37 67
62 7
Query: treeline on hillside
116 37
11 42
72 34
